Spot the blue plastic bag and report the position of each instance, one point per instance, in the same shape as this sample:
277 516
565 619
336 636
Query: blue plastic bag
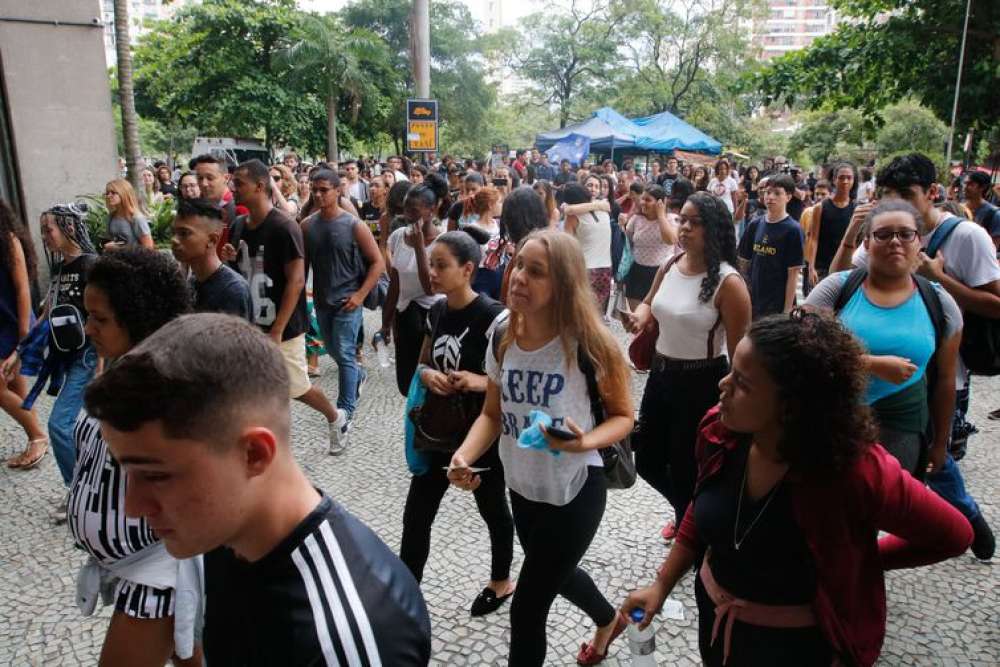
532 437
416 461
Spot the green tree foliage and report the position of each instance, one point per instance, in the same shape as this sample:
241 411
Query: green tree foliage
886 50
339 66
909 126
571 57
823 136
681 52
458 63
213 67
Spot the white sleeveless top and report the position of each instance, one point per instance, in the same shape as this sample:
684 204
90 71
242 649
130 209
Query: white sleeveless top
593 231
685 322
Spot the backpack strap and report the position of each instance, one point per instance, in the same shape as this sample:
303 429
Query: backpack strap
932 301
593 393
941 235
498 334
850 286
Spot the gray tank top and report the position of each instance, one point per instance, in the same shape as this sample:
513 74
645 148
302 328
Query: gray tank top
337 263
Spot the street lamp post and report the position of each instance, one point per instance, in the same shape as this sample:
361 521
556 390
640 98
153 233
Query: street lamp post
958 83
420 48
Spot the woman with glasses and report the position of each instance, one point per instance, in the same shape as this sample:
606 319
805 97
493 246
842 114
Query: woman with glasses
702 307
908 360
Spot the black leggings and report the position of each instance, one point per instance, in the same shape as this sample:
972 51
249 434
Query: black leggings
424 498
408 331
673 403
554 540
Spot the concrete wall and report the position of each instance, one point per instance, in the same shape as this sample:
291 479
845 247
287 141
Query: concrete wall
58 97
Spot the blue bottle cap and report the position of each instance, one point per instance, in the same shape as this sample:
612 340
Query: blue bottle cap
637 615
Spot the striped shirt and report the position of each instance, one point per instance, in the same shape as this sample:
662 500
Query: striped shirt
330 594
96 518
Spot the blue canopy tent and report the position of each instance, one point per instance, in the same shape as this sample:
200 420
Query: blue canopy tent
610 131
666 132
604 138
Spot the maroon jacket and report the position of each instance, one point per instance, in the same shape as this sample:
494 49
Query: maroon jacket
840 519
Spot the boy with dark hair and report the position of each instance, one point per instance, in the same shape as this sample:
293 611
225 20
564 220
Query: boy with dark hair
217 288
770 251
290 576
965 265
270 254
977 189
346 264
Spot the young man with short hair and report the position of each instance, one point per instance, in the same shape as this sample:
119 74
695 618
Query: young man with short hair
564 176
270 254
830 220
966 267
544 170
346 265
357 187
977 188
770 251
666 179
217 288
291 577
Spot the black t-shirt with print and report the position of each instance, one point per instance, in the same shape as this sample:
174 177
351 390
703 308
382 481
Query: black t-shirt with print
269 246
69 279
462 336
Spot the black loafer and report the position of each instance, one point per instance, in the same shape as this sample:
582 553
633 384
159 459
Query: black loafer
487 602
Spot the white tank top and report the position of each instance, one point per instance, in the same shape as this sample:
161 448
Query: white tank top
685 322
593 231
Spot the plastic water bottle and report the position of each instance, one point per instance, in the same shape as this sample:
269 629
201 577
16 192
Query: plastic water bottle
641 643
381 349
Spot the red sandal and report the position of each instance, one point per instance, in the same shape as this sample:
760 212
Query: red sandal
588 655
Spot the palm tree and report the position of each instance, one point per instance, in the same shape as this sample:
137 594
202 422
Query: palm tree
130 120
331 59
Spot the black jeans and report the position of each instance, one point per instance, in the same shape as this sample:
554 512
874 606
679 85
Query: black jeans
408 332
673 404
424 498
554 540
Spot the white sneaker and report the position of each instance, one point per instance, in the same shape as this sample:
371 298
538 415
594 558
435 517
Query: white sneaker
338 434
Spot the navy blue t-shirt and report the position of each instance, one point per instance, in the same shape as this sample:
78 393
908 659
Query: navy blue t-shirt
772 248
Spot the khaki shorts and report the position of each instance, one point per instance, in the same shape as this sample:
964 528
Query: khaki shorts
293 351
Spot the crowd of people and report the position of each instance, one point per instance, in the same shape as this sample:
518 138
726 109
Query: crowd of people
802 339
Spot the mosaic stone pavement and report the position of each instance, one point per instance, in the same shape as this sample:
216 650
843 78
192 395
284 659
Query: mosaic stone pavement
944 615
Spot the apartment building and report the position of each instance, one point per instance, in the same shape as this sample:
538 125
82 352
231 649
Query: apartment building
789 25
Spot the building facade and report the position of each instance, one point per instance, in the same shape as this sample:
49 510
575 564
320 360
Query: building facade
56 130
789 25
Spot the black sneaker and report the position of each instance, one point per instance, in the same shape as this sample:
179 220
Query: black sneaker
983 543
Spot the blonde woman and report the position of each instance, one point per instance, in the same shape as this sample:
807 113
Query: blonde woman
557 500
127 226
285 190
151 194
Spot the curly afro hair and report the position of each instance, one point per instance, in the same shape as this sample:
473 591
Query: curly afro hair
818 368
144 287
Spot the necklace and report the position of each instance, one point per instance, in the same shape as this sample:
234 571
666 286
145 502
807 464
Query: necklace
738 541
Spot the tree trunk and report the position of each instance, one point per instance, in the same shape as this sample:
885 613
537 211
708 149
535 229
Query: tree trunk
130 121
332 150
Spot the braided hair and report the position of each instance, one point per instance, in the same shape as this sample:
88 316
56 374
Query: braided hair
70 219
720 239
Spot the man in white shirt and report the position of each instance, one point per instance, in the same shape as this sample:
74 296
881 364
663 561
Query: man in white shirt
357 187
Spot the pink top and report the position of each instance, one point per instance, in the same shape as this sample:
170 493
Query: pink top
648 247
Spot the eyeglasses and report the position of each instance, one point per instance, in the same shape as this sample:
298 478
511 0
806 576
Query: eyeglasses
887 235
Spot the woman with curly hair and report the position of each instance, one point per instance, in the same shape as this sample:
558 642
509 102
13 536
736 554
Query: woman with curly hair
17 278
792 494
129 295
700 303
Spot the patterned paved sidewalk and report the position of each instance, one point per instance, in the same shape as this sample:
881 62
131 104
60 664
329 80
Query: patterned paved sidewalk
938 616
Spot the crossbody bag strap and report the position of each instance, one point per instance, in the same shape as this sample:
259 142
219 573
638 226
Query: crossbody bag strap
593 393
658 280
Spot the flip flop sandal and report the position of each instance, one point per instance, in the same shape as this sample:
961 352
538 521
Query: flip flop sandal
28 465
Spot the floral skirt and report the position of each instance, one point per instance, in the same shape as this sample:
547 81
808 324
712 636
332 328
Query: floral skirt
600 285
